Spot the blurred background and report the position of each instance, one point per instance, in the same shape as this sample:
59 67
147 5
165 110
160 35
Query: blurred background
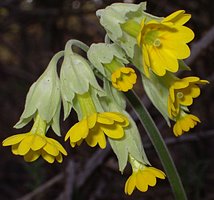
31 32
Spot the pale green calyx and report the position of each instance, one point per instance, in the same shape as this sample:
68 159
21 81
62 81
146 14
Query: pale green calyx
131 143
76 77
157 89
102 53
44 98
122 24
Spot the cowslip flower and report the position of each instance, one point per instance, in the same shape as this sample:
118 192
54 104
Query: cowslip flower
184 123
163 43
182 92
94 125
110 60
142 177
35 143
122 78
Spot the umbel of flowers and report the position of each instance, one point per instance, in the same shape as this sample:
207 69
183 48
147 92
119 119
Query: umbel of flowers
156 47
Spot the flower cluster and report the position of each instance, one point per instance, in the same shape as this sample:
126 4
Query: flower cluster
156 47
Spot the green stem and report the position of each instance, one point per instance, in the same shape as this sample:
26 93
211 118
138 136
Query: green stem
77 43
159 145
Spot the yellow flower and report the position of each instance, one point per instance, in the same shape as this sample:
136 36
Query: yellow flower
124 78
184 124
182 92
94 127
142 178
164 42
32 145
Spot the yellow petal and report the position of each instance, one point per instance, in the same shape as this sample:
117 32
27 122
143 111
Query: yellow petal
59 158
149 177
49 158
58 145
195 118
162 60
191 79
114 116
14 149
131 183
78 131
25 145
32 156
103 119
91 120
14 139
51 149
96 137
157 173
141 182
177 129
114 131
179 17
38 142
146 60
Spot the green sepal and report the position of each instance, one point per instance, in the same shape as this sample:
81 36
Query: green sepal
44 98
113 99
131 27
112 16
158 93
102 53
131 142
76 77
95 95
183 65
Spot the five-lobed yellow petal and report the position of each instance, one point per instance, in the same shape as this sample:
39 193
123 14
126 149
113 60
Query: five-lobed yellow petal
142 178
32 146
93 129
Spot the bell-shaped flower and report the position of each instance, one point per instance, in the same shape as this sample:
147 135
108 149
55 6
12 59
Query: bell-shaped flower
142 177
44 98
94 125
182 92
184 123
94 128
35 143
110 61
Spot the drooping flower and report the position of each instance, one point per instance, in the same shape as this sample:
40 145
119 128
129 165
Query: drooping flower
43 98
185 123
110 60
94 128
124 78
35 143
94 125
142 177
163 43
182 92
